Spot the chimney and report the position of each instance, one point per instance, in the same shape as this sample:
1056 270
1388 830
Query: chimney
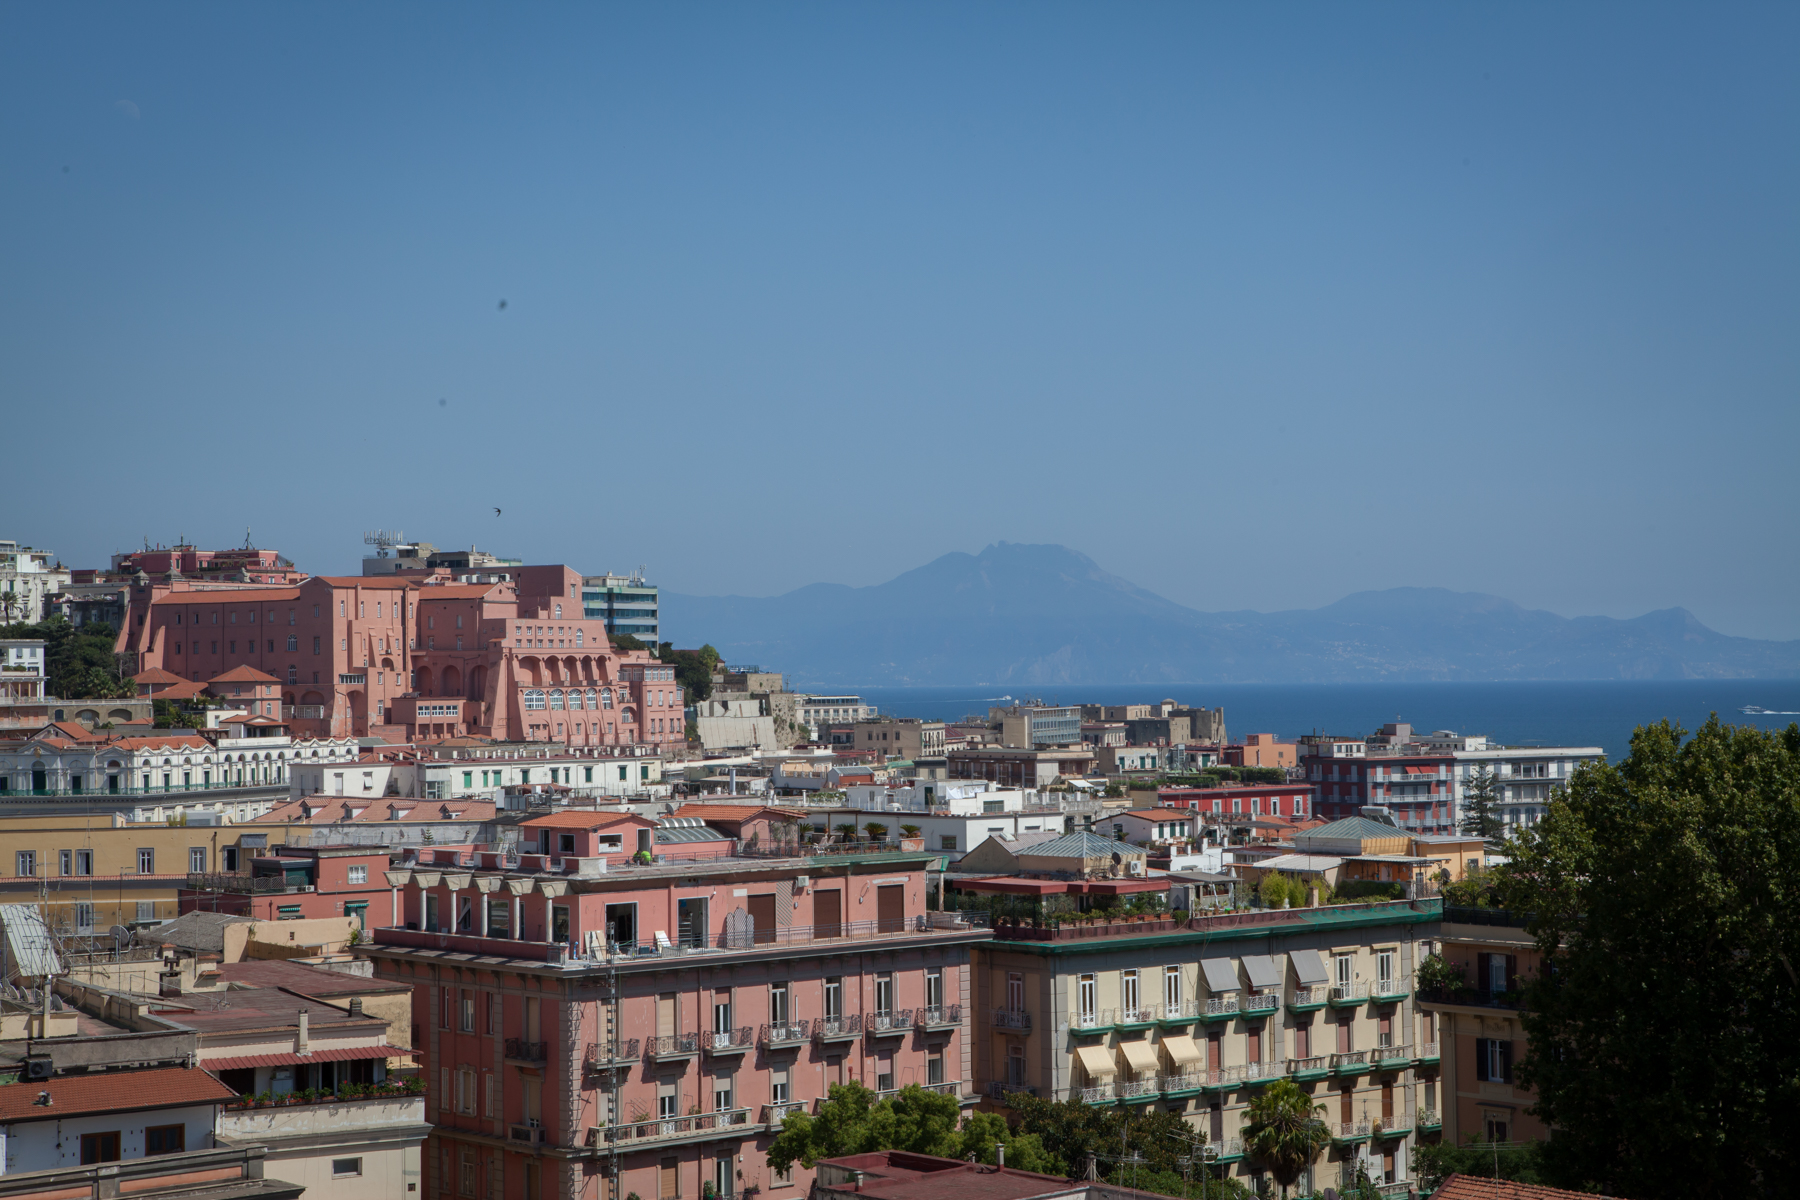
1000 1155
304 1046
356 1006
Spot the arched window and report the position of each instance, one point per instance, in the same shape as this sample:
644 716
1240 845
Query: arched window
592 702
293 643
628 716
534 699
556 698
575 700
605 697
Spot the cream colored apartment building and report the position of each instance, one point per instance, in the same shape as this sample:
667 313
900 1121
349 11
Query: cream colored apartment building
1195 1016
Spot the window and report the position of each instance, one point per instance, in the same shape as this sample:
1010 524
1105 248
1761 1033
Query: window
287 912
197 859
1085 1000
293 643
834 998
1129 994
84 915
934 987
26 862
778 1086
1172 989
722 1093
1015 991
346 1168
946 842
146 862
778 1004
84 862
99 1148
165 1139
1493 1060
146 911
465 1091
359 874
466 1009
884 992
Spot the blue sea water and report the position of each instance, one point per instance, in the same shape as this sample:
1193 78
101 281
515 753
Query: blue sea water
1514 714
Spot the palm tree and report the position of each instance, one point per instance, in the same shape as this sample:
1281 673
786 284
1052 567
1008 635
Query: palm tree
1285 1132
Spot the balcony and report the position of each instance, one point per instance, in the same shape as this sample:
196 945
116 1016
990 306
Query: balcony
292 1122
1015 1019
1307 999
1388 991
731 1124
952 1088
774 1114
1344 1133
838 1029
1353 1062
1303 1069
1393 1058
722 1043
1347 995
889 1024
670 1047
1262 1004
1141 1017
789 1035
1136 1091
1230 1149
621 1055
529 1134
1097 1021
1258 1073
1186 1083
938 1016
1395 1126
518 1050
1003 1093
1428 1119
1428 1053
1184 1012
1101 1094
1220 1008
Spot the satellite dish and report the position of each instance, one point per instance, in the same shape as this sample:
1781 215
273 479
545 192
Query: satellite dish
120 935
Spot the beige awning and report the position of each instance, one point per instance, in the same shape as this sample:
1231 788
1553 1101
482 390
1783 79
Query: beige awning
1096 1062
1183 1050
1141 1055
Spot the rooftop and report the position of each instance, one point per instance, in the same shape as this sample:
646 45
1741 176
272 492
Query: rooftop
1080 845
110 1091
1472 1187
900 1175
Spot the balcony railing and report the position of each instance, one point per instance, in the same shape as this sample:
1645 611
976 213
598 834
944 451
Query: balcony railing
1222 1006
1388 989
774 1114
1143 1014
1261 1072
523 1051
531 1133
672 1045
1310 1068
937 1016
1429 1118
951 1088
828 1029
603 1056
1004 1092
888 1024
729 1041
1308 997
1389 1056
1428 1051
1262 1002
1229 1149
1187 1081
609 1138
1011 1018
1127 1089
1101 1094
1181 1010
1349 993
789 1033
1094 1021
1350 1062
1348 1131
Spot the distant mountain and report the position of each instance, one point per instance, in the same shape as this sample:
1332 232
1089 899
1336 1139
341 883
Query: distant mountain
1043 615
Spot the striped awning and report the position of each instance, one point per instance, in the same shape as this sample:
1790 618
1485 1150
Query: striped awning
1096 1062
1183 1051
332 1054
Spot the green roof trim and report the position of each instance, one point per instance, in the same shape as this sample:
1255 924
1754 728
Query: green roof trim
1329 917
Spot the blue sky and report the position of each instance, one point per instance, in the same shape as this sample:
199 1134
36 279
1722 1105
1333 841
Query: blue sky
1257 305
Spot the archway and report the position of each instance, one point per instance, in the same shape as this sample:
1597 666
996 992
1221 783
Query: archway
477 683
422 681
452 682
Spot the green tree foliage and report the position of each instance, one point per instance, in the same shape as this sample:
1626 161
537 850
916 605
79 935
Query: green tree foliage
1284 1131
79 663
693 668
1480 795
1474 890
1665 898
624 641
853 1121
1069 1131
1435 1162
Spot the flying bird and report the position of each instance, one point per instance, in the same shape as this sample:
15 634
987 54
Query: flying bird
503 306
496 512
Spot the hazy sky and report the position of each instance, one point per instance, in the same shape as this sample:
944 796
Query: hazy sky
1257 305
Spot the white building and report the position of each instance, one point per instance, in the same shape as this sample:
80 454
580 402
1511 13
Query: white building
1525 776
21 669
960 797
27 579
952 834
735 724
814 710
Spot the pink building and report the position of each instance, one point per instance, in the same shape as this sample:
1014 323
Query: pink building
630 1029
416 658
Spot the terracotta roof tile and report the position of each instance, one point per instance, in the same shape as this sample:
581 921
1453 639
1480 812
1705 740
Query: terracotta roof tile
584 820
111 1091
243 674
231 596
157 675
1475 1187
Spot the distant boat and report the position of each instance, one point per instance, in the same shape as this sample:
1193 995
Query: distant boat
1757 710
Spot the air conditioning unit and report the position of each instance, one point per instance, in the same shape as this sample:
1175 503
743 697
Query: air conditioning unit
39 1068
1135 867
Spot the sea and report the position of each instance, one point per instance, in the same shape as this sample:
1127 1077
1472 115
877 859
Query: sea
1512 714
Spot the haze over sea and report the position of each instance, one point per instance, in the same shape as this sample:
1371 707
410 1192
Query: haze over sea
1517 714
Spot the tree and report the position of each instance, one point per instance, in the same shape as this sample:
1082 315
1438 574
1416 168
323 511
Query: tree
852 1121
1480 795
79 663
693 668
1069 1131
876 831
1435 1162
624 641
1284 1131
1664 895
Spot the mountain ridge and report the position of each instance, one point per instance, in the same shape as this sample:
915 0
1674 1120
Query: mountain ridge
1045 614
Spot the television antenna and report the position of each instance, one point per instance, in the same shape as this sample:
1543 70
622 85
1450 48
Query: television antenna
384 540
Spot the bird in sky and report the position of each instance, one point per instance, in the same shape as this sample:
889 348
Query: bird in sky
496 512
